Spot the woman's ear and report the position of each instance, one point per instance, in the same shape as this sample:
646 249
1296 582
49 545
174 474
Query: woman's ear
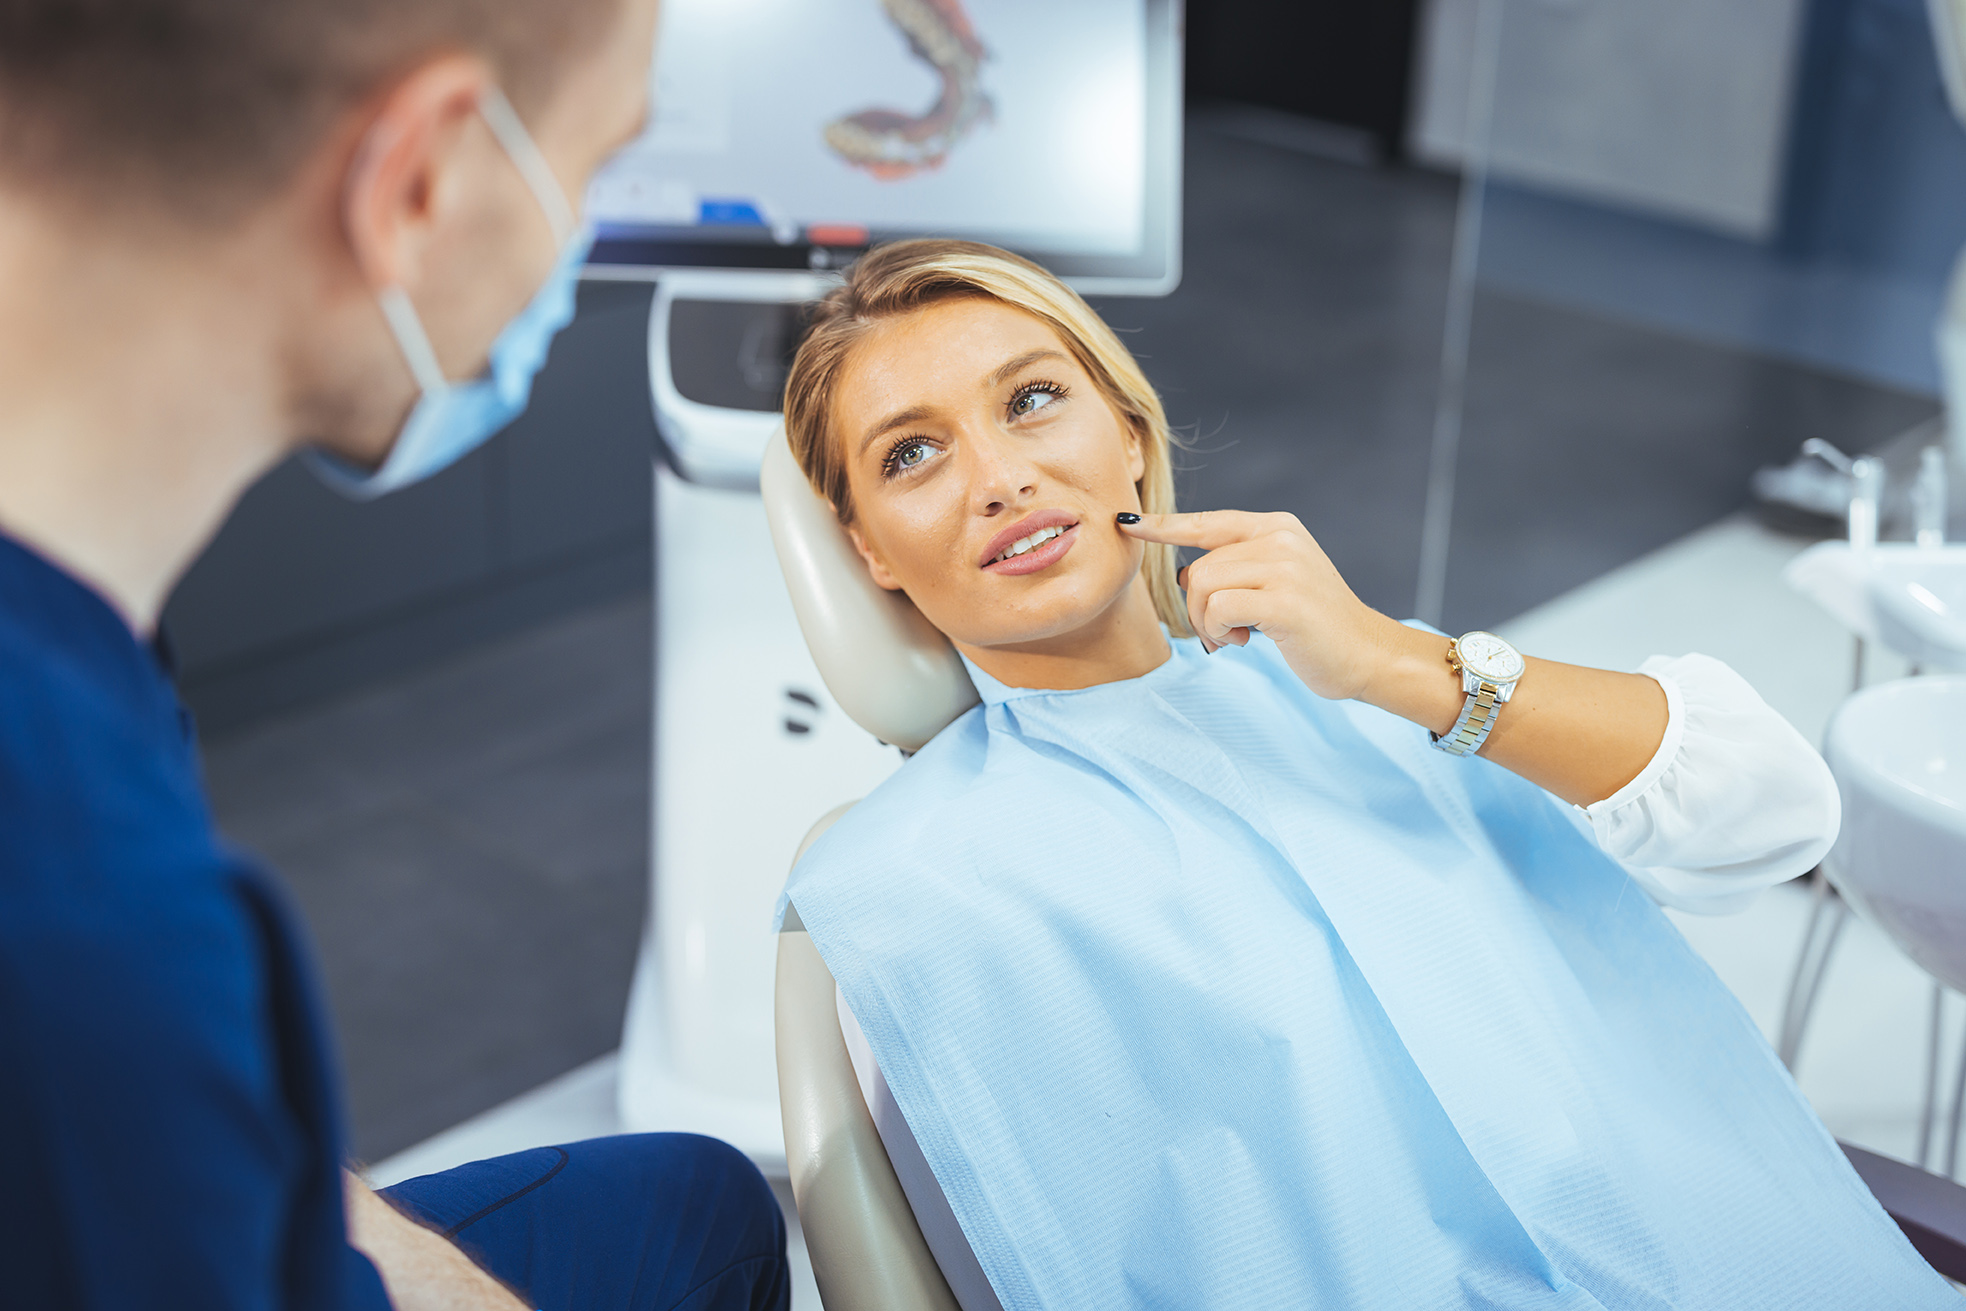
876 567
1136 454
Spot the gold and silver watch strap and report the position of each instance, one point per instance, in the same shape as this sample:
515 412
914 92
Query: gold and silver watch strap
1471 729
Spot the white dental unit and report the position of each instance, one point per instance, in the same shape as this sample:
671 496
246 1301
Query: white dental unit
785 137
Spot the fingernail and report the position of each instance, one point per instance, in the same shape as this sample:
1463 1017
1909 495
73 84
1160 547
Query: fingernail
1127 516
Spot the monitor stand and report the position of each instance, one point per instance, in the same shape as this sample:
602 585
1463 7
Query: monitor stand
750 749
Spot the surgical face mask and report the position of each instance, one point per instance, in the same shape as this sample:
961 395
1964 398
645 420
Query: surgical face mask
452 419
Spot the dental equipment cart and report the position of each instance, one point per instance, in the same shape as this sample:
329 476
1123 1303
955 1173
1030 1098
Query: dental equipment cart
779 148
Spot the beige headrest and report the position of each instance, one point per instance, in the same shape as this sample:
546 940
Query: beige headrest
887 666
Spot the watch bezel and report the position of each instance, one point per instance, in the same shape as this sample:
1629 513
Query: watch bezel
1485 671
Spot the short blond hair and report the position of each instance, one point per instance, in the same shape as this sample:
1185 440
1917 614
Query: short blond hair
908 275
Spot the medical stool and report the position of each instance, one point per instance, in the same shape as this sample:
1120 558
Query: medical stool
899 679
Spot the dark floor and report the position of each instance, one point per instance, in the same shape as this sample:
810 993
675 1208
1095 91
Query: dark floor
470 846
469 841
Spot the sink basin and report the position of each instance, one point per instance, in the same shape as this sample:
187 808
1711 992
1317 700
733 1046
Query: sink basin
1911 599
1898 751
1918 601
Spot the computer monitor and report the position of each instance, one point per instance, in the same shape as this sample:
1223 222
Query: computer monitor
790 134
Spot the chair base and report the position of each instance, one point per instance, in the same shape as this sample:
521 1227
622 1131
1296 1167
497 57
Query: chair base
1930 1209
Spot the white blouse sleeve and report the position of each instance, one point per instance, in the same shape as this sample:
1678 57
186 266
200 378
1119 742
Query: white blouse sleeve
1733 801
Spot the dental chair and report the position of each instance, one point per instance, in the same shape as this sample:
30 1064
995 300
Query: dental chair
880 1232
882 1236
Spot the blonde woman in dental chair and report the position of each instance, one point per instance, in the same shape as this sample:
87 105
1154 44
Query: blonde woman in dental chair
1248 947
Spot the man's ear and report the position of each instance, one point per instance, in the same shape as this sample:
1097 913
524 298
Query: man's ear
404 170
876 567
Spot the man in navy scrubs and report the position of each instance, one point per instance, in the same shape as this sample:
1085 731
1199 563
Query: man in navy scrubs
229 230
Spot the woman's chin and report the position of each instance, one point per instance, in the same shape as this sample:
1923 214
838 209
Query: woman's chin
1068 622
1080 597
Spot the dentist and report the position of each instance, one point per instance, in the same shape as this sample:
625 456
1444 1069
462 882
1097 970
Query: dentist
231 230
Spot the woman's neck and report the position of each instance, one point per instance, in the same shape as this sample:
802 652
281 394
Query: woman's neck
1123 641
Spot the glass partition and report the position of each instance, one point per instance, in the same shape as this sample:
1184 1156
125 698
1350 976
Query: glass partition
1702 258
1693 235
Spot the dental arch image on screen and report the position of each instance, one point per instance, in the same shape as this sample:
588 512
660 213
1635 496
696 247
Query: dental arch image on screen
1021 122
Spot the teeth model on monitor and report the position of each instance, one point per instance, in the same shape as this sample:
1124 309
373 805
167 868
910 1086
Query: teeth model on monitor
892 145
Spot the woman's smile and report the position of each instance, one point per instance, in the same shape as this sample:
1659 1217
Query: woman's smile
976 450
985 465
1033 543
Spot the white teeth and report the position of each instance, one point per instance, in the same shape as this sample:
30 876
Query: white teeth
1023 544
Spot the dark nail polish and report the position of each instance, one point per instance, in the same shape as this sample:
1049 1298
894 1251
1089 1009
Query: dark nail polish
1127 516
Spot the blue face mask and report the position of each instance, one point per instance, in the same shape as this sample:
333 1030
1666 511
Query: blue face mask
452 419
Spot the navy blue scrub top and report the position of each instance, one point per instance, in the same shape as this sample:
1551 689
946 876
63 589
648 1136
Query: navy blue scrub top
167 1086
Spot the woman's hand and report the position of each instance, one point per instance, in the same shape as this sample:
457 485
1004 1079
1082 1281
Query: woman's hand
1581 733
1266 571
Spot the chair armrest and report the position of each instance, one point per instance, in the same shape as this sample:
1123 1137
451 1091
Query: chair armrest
1930 1208
867 1250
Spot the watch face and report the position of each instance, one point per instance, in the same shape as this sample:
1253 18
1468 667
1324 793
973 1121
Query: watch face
1489 658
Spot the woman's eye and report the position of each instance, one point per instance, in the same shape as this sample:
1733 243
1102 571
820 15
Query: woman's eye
1027 403
909 454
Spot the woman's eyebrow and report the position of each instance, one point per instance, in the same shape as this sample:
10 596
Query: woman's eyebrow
1022 362
899 419
916 413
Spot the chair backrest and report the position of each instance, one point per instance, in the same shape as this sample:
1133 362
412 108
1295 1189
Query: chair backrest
886 665
899 679
867 1249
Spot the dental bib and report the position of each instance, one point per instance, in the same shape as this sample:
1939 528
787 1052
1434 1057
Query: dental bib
1200 991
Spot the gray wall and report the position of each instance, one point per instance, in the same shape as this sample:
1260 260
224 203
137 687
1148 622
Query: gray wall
1671 107
304 593
1872 215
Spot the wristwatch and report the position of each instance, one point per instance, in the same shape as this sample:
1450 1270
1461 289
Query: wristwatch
1490 669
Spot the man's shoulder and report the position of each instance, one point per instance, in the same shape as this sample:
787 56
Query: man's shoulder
95 768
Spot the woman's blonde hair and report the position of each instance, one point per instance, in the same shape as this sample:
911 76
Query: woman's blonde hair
908 275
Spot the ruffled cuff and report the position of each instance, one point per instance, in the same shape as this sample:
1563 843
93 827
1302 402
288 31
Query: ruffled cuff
1733 801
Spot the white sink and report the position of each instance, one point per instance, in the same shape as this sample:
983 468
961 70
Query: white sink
1898 751
1911 599
1918 601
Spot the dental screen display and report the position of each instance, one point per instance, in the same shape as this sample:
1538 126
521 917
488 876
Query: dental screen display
811 123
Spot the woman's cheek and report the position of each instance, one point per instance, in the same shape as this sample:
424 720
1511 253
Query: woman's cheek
926 548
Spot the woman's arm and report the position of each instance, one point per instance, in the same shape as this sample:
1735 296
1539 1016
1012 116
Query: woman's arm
1580 733
1734 801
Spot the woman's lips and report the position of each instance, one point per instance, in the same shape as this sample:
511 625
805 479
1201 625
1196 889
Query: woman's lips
1023 528
1042 556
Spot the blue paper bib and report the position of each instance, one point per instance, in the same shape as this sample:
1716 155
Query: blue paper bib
1200 991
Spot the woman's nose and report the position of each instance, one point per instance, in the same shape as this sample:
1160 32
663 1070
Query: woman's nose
1001 476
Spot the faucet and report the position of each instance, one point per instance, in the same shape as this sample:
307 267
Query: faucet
1928 499
1866 474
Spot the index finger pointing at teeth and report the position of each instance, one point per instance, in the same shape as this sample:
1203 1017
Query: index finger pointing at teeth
1205 530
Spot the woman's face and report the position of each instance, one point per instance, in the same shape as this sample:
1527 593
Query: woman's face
986 468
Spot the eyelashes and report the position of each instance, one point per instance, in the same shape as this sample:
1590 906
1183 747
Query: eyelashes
895 461
912 451
1054 391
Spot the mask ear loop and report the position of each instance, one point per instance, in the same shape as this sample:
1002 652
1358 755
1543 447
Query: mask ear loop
411 339
511 134
505 125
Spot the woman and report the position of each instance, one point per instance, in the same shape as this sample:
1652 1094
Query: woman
1200 976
